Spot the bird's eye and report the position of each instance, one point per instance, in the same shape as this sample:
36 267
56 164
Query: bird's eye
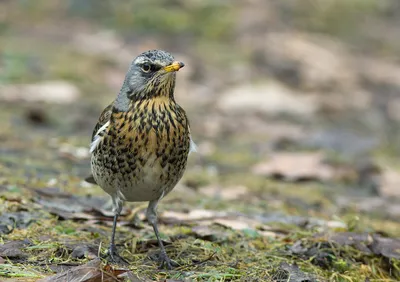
146 68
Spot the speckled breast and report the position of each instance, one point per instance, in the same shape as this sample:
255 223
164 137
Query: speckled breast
144 151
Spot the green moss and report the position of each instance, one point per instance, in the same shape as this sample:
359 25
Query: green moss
18 271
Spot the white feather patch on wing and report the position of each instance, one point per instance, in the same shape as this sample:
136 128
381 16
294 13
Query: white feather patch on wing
97 138
193 146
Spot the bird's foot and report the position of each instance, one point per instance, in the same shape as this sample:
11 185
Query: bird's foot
165 261
114 257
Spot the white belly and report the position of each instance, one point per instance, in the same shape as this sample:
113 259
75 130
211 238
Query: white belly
146 183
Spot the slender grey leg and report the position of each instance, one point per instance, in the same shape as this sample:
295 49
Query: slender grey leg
151 215
112 251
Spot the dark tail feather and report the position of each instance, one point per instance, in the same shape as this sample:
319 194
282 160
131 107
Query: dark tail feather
90 179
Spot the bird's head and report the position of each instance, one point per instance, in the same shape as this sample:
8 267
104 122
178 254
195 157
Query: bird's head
151 74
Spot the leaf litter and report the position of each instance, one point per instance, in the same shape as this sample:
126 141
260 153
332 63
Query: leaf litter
203 235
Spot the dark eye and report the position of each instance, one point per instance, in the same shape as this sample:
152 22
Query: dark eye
146 68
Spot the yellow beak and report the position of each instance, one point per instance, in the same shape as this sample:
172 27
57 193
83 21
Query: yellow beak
175 66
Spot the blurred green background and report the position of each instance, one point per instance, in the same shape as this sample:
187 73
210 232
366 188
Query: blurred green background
294 105
325 68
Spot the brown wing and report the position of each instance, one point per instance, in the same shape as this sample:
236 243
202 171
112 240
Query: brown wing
103 119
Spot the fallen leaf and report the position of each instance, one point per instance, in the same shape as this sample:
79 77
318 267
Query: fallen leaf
206 232
52 191
68 206
269 98
359 241
208 218
291 273
86 272
59 92
17 220
13 249
387 247
390 186
131 277
63 215
227 193
350 238
248 225
295 167
193 215
57 268
367 243
236 223
270 234
84 251
89 272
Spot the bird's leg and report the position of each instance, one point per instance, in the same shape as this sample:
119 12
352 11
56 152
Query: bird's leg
112 251
151 215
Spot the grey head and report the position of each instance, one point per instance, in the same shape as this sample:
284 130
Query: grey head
151 74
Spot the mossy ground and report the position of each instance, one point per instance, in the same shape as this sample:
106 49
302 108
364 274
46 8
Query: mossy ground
282 222
219 253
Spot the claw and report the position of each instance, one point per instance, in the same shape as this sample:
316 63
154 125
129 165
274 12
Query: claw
151 215
165 261
114 257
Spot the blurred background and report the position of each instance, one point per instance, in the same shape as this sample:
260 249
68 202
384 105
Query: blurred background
294 105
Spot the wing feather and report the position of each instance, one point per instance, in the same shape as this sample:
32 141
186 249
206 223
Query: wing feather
192 146
101 127
98 134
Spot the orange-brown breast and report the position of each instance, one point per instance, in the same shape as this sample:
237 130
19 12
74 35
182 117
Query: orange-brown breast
151 124
144 151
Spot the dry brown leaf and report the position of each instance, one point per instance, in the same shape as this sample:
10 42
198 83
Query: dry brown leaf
14 249
86 272
207 232
269 98
295 166
387 247
207 218
270 234
192 215
58 92
390 183
131 277
237 224
242 223
89 272
227 193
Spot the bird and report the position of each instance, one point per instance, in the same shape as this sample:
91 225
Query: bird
141 142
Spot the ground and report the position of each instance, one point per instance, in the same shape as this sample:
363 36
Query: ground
296 176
